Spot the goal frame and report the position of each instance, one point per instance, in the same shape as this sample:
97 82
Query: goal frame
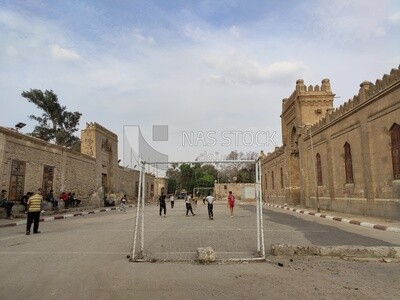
138 251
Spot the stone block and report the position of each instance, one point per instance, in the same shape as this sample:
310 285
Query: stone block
206 255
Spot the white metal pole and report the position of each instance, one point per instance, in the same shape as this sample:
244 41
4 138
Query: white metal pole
137 214
143 198
261 211
257 210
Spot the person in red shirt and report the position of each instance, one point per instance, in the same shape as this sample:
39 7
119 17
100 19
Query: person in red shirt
65 198
231 202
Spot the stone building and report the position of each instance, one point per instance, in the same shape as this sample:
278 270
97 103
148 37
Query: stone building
241 191
345 159
27 163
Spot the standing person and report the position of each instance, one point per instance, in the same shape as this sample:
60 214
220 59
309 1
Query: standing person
34 212
231 202
172 199
195 199
210 205
8 205
122 206
188 202
163 205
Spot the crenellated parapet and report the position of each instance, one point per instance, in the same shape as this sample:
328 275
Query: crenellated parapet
95 125
273 155
366 92
302 91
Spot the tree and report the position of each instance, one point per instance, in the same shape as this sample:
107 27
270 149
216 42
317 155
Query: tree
244 172
56 123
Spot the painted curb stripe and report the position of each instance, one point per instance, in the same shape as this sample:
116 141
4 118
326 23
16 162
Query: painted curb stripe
343 220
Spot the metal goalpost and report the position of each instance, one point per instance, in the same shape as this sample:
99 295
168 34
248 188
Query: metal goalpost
138 234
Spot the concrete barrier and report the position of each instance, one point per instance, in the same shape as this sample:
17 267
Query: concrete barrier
336 251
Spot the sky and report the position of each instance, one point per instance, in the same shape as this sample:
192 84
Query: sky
202 69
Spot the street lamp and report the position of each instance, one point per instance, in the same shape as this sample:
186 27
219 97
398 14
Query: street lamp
19 126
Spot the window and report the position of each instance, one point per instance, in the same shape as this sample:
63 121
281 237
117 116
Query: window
272 180
319 170
348 164
17 180
395 143
281 178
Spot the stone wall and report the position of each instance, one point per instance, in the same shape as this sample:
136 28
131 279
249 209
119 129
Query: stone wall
239 190
73 171
364 123
92 175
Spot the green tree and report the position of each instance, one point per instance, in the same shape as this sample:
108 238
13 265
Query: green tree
56 124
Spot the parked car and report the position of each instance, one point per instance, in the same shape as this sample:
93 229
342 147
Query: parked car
181 195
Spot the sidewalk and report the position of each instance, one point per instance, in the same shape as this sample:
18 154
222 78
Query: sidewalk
57 216
365 221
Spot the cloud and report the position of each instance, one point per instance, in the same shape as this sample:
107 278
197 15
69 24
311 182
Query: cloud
395 18
196 33
349 20
235 68
60 53
140 39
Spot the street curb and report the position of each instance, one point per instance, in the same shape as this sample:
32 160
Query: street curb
63 216
337 251
338 219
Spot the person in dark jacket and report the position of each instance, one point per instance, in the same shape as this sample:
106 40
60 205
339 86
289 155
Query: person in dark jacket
8 205
163 204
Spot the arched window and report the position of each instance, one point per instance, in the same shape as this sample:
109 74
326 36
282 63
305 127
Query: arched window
395 143
348 164
281 178
272 180
319 170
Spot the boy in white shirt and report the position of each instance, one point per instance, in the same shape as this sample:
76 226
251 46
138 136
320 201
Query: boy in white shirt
210 205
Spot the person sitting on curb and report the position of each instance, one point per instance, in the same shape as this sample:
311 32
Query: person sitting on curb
122 206
50 198
64 197
109 201
8 205
75 200
24 200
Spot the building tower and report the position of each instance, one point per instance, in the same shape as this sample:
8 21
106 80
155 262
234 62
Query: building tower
304 107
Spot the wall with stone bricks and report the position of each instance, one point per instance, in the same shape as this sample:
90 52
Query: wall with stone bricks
364 122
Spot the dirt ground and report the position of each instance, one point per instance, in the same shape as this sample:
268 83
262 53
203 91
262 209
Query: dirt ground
280 278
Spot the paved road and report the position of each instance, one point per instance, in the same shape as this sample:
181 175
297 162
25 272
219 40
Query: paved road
85 258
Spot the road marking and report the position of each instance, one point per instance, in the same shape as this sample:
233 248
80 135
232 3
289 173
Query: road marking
11 237
65 252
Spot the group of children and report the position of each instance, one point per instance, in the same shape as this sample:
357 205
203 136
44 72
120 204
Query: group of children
188 203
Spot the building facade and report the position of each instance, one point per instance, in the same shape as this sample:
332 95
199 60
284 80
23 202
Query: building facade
27 163
345 159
